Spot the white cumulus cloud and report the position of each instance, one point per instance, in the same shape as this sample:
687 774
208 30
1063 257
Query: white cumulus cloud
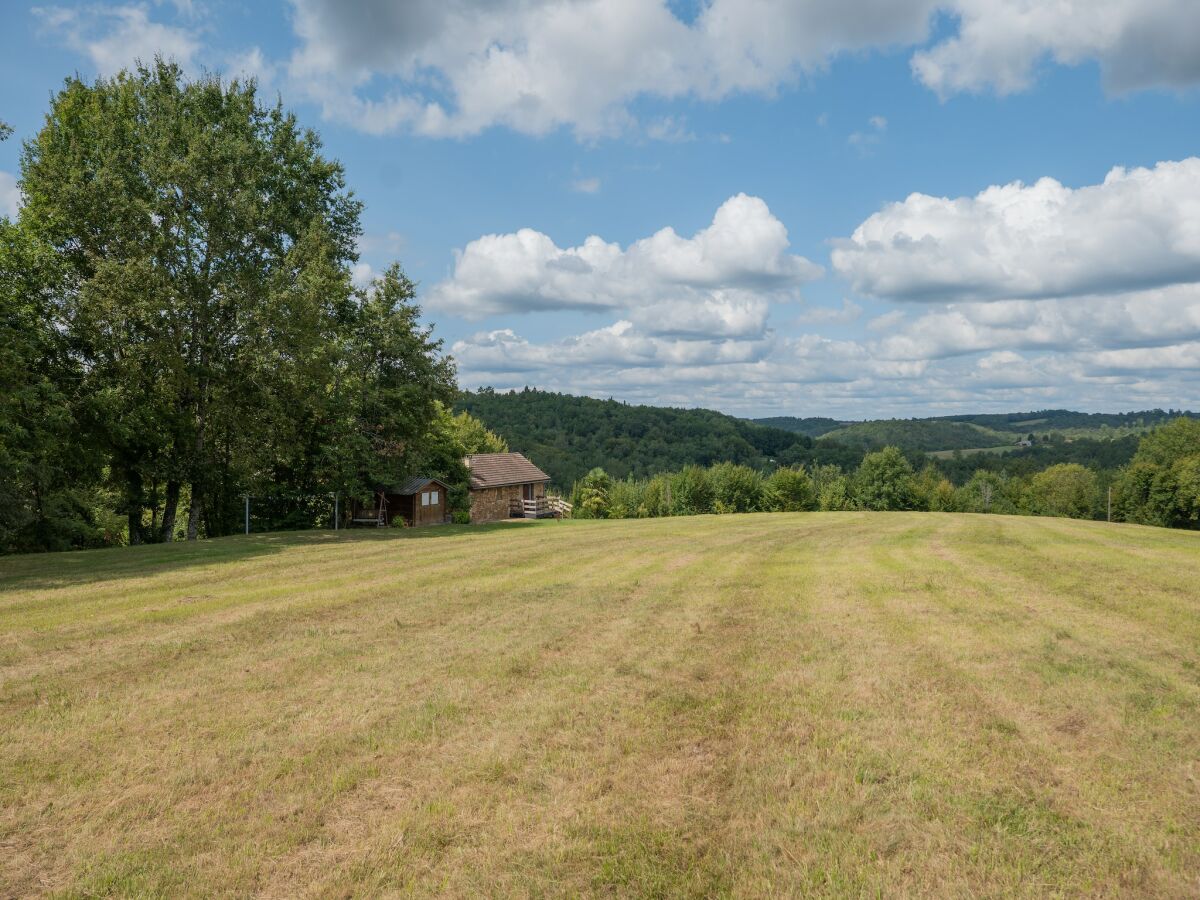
719 282
114 37
1000 43
456 67
1139 228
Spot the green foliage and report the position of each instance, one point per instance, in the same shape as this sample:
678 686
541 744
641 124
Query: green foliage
791 490
590 497
737 489
450 438
916 435
691 492
200 290
814 426
990 492
934 491
49 472
1067 490
1161 486
884 481
567 436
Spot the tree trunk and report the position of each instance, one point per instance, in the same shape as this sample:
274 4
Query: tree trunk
194 510
134 508
197 487
170 508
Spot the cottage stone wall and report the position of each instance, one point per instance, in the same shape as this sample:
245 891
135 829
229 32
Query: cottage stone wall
493 504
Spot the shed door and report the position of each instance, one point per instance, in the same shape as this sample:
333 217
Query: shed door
527 491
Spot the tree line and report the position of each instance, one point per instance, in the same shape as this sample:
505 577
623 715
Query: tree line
1160 486
179 326
567 436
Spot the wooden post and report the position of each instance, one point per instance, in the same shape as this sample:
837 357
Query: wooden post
1110 503
335 511
247 514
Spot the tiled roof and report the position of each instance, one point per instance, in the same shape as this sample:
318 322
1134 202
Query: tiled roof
413 485
490 470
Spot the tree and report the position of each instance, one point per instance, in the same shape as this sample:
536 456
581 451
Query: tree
884 480
1160 486
791 490
1066 489
206 242
736 488
450 439
934 491
49 475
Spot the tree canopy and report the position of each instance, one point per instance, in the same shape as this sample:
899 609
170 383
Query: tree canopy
181 268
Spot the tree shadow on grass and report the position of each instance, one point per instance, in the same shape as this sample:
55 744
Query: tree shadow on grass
42 571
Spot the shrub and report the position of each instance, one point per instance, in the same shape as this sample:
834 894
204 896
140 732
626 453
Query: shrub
625 498
1066 489
691 492
884 480
590 498
736 488
934 491
791 490
835 494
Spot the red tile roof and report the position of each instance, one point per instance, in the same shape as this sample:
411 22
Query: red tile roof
489 470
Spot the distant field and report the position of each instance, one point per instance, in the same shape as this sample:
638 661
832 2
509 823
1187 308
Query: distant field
817 703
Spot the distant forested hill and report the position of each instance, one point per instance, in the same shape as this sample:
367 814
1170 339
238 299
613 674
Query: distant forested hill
1068 423
814 426
919 435
973 431
568 436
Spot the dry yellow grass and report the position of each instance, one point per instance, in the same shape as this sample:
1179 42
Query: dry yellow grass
839 703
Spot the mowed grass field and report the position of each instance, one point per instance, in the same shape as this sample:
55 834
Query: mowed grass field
824 703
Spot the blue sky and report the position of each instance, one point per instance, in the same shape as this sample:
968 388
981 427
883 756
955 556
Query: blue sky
858 209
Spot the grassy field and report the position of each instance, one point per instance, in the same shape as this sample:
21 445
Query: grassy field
824 703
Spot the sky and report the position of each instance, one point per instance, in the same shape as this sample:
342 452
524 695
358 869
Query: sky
848 208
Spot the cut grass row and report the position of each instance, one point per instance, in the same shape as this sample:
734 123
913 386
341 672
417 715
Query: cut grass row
822 703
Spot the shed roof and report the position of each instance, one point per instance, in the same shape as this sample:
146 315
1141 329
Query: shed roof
490 470
413 485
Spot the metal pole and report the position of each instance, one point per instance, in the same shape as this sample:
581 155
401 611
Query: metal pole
247 514
335 511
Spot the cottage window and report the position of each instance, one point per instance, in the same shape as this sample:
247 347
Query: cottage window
433 498
424 498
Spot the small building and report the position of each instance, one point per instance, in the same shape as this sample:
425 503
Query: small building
506 486
418 501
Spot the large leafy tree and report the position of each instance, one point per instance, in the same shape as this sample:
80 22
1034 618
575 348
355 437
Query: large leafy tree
1066 489
885 480
1161 485
206 243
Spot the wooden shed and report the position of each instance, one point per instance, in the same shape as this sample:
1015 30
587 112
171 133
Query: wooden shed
421 501
418 501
